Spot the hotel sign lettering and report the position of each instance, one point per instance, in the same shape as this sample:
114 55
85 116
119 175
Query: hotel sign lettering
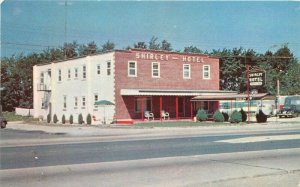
164 57
257 78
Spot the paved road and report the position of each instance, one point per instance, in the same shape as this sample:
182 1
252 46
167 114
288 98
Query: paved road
247 159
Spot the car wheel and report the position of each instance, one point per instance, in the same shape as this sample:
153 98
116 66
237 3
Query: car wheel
3 125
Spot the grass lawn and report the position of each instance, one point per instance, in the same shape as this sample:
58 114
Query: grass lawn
11 116
184 124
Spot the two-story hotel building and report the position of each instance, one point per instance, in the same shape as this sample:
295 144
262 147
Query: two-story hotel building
134 80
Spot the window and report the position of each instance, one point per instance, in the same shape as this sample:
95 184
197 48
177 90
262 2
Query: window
69 73
83 101
65 102
76 102
147 102
59 75
206 72
76 73
42 78
95 100
108 68
155 69
132 69
84 72
186 71
98 69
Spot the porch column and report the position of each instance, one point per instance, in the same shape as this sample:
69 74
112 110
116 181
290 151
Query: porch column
192 111
160 108
176 107
142 108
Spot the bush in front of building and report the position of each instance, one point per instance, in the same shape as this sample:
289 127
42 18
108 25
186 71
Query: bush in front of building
71 119
89 119
63 119
244 115
226 116
261 117
48 118
201 115
236 117
80 119
218 116
55 120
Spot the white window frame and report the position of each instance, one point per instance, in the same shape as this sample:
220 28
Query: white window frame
42 81
76 73
129 68
108 68
158 70
69 73
65 102
76 102
59 75
98 69
184 70
83 102
206 71
96 98
84 71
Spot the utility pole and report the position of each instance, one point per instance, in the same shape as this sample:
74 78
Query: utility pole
248 90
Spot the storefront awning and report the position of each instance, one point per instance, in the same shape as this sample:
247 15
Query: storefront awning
163 92
235 96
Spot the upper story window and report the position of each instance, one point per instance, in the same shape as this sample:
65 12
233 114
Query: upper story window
155 69
186 71
69 73
84 71
95 99
108 68
76 73
132 72
59 75
98 69
206 72
42 78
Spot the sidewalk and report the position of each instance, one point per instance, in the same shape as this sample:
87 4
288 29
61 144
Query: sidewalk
113 130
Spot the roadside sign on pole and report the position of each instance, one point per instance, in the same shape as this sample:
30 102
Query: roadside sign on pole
257 78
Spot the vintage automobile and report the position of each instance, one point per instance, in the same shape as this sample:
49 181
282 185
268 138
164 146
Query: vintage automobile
3 122
291 107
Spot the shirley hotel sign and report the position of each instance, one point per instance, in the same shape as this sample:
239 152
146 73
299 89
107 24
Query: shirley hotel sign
167 57
257 78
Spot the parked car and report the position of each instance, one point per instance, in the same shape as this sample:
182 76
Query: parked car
291 107
3 122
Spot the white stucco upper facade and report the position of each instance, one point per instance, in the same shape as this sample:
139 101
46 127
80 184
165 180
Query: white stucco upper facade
71 88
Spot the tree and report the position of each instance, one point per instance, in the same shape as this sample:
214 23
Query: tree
70 50
192 49
153 43
140 45
108 46
166 46
90 48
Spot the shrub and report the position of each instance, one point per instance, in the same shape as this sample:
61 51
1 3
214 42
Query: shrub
261 117
226 116
89 119
80 119
55 120
71 119
244 115
63 119
48 118
201 115
218 116
236 117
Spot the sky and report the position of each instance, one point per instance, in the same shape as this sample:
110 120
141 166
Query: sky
33 26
